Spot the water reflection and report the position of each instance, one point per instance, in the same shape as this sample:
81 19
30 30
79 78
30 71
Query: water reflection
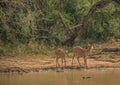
75 77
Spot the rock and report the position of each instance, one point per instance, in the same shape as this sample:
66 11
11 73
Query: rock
86 77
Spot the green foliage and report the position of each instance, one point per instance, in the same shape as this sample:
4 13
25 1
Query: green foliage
2 14
24 49
26 24
102 26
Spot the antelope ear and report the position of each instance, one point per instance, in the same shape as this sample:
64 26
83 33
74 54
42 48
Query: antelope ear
66 51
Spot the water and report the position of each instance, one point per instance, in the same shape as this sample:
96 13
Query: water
74 77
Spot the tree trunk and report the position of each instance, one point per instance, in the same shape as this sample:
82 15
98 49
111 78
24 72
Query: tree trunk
98 5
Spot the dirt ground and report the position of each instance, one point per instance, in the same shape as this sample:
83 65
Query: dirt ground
98 59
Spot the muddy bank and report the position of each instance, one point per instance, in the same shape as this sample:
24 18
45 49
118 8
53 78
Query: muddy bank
36 64
20 70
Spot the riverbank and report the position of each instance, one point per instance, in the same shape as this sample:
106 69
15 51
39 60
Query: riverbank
36 63
30 64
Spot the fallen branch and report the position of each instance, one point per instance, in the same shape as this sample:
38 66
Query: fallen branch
111 50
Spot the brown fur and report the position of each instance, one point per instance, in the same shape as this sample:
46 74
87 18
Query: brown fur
60 54
81 52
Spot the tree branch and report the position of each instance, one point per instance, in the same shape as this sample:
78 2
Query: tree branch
98 5
65 25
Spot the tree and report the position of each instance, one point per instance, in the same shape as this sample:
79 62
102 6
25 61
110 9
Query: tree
98 5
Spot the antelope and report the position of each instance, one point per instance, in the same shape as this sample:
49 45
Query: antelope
60 54
81 52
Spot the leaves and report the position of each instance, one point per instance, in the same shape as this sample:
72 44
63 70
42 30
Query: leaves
21 20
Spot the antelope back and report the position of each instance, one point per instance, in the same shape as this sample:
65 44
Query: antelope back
78 50
60 52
